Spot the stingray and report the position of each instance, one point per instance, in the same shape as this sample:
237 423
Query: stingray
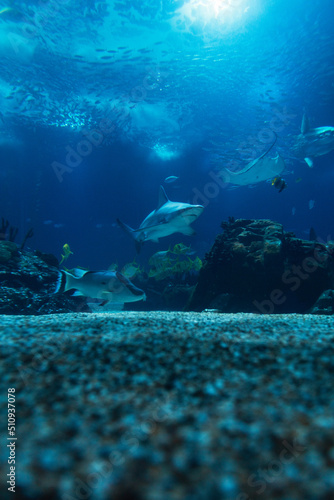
258 170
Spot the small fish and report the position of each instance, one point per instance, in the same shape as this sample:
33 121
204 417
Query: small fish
197 264
293 211
104 285
181 249
170 179
159 257
67 252
298 180
311 204
279 183
131 270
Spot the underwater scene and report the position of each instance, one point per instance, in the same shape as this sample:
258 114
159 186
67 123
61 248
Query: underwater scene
224 108
167 249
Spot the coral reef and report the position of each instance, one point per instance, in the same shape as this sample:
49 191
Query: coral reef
170 280
7 250
29 234
173 262
28 282
255 266
9 233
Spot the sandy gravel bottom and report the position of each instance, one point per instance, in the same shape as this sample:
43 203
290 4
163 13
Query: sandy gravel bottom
167 405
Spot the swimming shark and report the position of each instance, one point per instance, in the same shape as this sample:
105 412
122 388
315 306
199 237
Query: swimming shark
258 170
168 218
105 285
312 142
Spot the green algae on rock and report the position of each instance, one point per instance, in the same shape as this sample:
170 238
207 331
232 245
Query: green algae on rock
7 250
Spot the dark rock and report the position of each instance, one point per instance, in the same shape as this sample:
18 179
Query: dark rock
324 304
48 258
176 296
172 293
254 266
27 285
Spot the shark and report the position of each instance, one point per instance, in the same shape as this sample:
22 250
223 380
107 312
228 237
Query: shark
313 142
258 170
107 286
168 218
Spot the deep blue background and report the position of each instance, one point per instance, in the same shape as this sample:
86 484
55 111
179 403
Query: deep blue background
121 178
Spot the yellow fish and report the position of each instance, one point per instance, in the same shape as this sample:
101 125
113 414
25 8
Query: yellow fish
131 270
67 252
181 249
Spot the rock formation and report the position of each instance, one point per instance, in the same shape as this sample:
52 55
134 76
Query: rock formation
255 266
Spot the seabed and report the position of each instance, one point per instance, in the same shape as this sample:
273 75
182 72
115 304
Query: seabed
170 405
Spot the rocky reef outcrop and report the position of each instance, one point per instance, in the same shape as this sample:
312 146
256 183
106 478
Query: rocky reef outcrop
28 281
255 266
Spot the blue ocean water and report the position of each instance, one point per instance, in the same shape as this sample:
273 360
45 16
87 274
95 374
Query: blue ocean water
101 101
